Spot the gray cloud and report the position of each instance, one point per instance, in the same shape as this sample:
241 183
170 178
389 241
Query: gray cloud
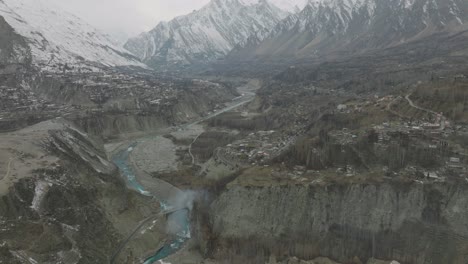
128 17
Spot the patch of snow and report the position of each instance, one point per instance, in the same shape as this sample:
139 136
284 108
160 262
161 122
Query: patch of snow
104 162
71 228
39 192
408 3
78 131
291 6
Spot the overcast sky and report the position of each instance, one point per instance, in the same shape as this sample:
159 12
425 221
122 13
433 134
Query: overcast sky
128 16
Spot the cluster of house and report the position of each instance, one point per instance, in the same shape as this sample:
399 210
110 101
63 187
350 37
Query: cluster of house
258 147
101 87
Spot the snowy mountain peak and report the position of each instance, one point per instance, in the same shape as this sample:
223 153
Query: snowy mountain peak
291 6
56 37
207 34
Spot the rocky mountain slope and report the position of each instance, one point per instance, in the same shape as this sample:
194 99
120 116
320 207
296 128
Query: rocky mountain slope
206 34
62 201
13 48
55 37
356 26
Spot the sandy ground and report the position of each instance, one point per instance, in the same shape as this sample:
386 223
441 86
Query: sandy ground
156 154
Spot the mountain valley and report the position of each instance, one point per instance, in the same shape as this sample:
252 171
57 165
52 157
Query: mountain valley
247 131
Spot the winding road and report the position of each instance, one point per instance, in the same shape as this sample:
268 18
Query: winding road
389 108
190 149
415 106
7 174
438 116
412 104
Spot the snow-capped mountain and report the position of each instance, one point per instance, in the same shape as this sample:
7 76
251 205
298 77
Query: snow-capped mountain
55 37
351 26
206 34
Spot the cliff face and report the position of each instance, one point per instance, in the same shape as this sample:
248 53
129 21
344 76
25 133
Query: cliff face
411 223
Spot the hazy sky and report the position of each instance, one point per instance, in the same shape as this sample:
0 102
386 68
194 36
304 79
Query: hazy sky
128 16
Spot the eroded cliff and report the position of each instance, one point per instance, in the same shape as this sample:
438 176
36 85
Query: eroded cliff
408 222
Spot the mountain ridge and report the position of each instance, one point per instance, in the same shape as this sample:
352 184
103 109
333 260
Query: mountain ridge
355 26
58 38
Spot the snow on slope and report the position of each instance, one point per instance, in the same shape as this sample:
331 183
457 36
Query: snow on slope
292 6
404 13
352 26
57 37
206 34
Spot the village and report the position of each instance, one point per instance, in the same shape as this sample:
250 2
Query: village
258 148
425 148
84 94
433 137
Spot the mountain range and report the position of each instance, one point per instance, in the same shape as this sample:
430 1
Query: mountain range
357 26
230 30
250 29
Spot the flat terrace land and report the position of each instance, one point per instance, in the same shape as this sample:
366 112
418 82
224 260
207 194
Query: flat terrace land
22 152
156 154
190 132
276 176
